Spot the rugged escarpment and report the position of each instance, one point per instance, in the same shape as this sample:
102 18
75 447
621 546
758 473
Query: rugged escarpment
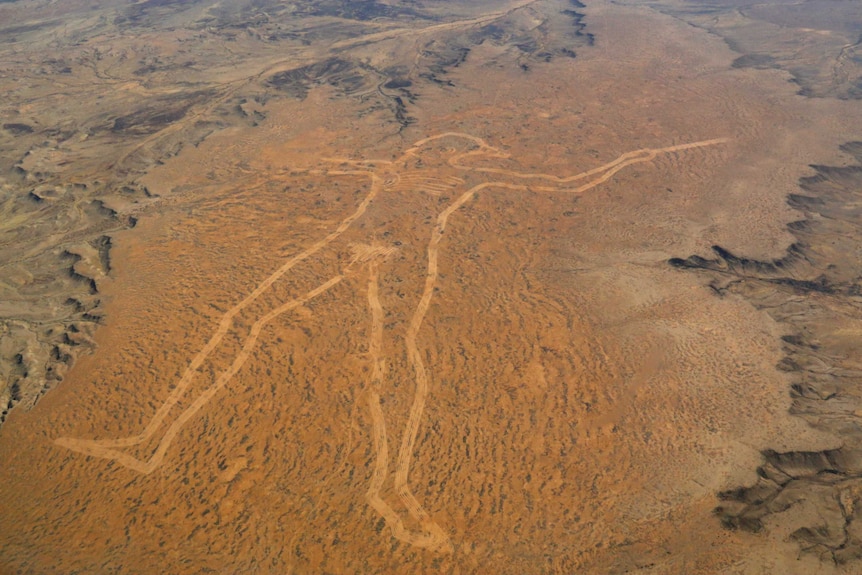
51 270
815 290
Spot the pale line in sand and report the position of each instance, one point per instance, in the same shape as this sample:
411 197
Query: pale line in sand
99 449
627 159
225 324
435 538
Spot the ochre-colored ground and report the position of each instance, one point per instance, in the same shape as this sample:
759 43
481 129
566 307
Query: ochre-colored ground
331 346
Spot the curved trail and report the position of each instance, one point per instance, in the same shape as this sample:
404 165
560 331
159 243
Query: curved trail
609 169
101 449
224 326
433 536
627 159
414 356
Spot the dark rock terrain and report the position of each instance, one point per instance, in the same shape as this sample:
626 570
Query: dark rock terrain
815 291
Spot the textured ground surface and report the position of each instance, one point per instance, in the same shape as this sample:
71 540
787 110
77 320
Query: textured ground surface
341 287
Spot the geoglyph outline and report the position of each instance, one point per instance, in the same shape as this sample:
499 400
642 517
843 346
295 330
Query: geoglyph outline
433 536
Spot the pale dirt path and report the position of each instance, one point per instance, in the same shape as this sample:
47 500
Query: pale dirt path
420 396
627 159
434 536
101 449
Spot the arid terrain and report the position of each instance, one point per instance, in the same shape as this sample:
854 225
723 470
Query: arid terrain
504 287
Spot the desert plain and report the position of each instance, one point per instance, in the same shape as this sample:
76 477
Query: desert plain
430 287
